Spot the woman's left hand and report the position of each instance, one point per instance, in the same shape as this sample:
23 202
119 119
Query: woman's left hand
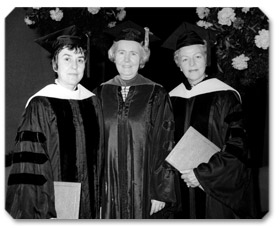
189 177
156 206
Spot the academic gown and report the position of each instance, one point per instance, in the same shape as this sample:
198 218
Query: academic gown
138 137
58 139
214 109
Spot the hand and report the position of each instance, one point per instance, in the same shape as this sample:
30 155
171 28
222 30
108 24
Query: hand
189 177
156 206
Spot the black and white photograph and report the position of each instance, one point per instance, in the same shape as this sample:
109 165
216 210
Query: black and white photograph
150 113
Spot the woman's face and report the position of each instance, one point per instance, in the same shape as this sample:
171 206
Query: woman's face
127 58
70 67
192 61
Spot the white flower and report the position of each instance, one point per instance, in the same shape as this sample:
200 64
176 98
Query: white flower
112 24
93 10
37 8
245 9
28 21
121 15
240 62
262 40
120 8
56 14
204 24
202 12
226 16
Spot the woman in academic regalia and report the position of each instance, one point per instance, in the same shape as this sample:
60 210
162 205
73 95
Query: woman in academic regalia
138 133
221 187
60 137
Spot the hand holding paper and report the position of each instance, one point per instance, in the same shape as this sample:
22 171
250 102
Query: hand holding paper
189 177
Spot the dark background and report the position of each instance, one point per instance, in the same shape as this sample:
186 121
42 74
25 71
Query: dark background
27 70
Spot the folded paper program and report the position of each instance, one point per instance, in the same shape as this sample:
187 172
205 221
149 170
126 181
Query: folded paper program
191 150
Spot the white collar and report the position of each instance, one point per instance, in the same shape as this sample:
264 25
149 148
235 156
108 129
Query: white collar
60 92
207 86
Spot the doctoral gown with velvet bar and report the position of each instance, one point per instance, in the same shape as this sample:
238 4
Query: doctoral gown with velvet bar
138 137
57 140
226 178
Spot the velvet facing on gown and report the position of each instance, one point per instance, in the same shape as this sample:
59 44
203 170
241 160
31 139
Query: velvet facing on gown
57 140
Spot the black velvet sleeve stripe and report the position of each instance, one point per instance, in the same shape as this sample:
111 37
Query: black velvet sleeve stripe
26 157
26 178
31 136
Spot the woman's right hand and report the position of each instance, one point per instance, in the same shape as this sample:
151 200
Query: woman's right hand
156 206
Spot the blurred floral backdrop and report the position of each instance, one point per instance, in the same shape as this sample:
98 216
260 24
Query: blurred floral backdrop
242 48
92 20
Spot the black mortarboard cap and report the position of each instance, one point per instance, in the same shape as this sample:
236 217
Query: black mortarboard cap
128 30
188 34
68 36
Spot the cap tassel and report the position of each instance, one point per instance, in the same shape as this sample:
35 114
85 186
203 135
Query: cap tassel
146 41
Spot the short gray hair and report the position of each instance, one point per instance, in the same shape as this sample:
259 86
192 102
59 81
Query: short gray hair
144 53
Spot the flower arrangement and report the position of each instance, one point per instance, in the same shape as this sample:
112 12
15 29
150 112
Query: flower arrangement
242 35
242 43
92 20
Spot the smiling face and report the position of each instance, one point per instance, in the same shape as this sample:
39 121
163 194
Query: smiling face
192 61
70 67
127 58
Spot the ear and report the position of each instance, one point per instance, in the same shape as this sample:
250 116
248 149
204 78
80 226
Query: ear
54 66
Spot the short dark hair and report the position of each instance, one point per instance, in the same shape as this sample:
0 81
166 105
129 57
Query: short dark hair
77 48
